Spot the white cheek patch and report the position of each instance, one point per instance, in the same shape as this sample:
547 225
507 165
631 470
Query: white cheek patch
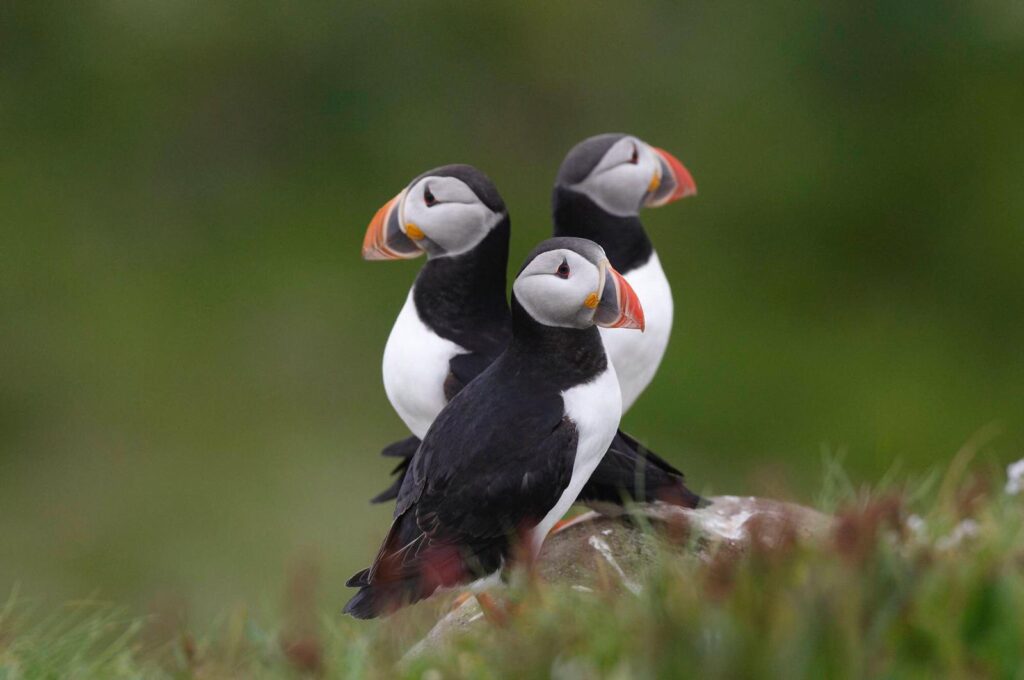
554 301
457 223
618 191
619 152
549 300
618 186
461 226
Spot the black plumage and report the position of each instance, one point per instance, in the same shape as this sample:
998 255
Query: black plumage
628 472
623 238
628 247
462 298
575 214
494 463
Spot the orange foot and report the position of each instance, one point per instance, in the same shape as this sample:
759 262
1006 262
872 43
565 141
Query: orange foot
460 600
493 612
559 525
564 523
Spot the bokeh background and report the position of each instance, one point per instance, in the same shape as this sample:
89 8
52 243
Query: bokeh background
190 345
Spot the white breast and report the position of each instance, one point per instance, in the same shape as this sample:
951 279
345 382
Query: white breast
415 367
595 408
637 355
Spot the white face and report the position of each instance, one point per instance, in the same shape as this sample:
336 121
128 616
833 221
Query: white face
627 172
561 288
444 216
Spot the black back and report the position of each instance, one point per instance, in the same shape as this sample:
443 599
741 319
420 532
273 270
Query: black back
623 238
462 298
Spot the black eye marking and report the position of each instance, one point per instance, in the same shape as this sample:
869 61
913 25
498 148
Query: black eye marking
635 158
563 270
428 197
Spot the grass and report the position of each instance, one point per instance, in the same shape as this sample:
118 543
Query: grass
921 578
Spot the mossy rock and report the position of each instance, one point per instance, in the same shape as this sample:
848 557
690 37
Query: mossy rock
616 548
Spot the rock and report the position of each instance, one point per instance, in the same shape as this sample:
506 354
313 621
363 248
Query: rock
593 548
615 539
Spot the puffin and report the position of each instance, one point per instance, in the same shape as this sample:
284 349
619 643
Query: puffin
601 186
455 319
509 454
455 322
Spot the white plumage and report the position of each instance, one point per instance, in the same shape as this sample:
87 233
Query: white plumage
636 356
595 408
416 364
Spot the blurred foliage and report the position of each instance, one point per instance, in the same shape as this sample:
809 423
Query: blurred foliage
190 345
913 580
893 594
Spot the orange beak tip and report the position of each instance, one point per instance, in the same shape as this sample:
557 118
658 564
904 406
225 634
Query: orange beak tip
684 184
371 254
687 185
630 310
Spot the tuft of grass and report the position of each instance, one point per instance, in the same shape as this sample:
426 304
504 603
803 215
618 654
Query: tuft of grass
85 639
920 578
911 583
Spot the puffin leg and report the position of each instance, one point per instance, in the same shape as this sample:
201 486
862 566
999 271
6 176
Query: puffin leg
567 522
460 600
493 612
559 525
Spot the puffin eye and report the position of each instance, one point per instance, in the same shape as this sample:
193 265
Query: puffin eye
428 197
563 270
635 158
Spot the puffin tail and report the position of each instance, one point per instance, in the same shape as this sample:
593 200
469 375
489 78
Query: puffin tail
631 472
404 449
359 579
383 598
372 602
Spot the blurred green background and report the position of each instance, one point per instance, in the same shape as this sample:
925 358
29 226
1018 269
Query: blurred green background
190 345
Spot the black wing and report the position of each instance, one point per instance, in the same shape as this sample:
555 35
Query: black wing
462 369
404 449
489 468
631 472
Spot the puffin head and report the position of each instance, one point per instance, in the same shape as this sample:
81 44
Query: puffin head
568 283
445 211
621 174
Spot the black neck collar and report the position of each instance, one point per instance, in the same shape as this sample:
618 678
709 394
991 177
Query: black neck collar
623 238
566 357
462 297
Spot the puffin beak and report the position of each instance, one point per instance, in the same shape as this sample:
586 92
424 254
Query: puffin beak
384 238
618 306
674 182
